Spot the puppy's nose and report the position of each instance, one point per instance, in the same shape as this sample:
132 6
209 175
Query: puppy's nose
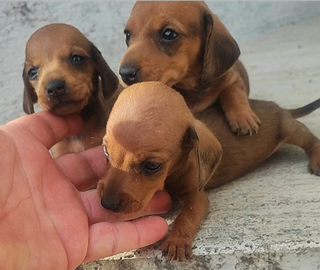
129 74
112 205
56 88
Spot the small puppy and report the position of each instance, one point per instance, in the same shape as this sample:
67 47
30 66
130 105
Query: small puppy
65 73
185 45
154 142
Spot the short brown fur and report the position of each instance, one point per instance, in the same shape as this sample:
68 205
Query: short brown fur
151 122
201 63
88 87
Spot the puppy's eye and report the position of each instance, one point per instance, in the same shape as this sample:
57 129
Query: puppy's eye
127 33
76 59
33 73
169 34
106 153
151 167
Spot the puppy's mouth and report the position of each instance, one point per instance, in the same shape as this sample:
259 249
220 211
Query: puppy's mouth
127 82
66 107
126 205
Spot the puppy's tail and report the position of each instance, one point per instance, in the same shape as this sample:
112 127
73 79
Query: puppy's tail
305 110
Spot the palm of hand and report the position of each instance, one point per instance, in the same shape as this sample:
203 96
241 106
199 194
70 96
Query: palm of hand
45 204
40 207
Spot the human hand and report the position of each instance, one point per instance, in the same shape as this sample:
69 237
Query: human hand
45 221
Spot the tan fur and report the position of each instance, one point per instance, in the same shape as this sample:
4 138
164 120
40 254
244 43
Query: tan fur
201 63
151 122
90 87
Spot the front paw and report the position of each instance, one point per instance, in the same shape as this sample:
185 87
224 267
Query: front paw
244 122
177 249
314 164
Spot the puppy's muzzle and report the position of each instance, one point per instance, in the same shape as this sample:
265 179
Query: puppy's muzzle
129 74
56 89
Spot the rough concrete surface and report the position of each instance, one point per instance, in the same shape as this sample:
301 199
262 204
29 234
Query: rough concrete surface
268 219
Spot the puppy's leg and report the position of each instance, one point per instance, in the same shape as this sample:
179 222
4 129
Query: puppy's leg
298 134
234 102
178 244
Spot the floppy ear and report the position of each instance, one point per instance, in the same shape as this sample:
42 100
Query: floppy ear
29 94
208 152
191 141
109 79
221 50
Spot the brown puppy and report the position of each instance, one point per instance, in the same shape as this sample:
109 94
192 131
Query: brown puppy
154 142
65 73
184 45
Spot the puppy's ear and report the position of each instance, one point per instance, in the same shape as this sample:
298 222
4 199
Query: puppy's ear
190 140
29 94
221 50
109 79
208 153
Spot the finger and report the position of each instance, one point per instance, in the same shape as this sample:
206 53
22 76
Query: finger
160 203
107 239
46 127
83 169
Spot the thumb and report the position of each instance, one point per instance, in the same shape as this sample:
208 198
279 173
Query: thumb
107 239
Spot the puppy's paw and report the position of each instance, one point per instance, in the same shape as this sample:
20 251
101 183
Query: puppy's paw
244 122
314 164
177 249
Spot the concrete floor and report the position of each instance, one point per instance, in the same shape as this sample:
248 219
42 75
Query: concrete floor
268 219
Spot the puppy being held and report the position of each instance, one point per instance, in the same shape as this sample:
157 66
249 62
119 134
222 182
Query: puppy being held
154 142
185 45
65 73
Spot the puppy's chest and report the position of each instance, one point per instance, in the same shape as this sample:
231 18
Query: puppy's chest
72 144
76 144
84 141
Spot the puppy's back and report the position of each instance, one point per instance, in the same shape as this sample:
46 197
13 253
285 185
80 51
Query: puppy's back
243 153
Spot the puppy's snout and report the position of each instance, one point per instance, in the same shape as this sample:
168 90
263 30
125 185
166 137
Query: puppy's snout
129 74
111 204
56 88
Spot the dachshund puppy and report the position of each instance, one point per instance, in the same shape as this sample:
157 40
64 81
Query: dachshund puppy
185 45
154 142
65 73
